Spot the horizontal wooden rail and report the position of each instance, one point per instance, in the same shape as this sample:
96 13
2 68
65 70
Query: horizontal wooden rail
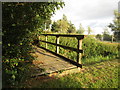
78 49
65 47
63 35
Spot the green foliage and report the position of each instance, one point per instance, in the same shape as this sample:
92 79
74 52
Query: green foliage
89 30
81 30
99 75
71 28
106 35
99 36
95 48
11 70
115 26
92 48
20 23
63 26
55 27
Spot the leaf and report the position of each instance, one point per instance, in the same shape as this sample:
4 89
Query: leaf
13 76
20 43
8 44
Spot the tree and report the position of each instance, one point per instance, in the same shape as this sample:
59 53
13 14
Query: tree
106 35
55 27
20 23
115 26
47 23
81 30
89 30
99 36
71 28
61 25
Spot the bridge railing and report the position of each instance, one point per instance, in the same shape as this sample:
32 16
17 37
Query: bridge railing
78 49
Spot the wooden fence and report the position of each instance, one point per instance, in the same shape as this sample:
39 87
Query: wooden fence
78 49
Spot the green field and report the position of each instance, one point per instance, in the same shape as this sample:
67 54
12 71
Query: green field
98 75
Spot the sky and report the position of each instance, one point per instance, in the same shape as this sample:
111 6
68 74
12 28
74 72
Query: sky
94 13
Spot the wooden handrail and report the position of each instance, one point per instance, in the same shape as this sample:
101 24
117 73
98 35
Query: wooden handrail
64 35
65 47
78 49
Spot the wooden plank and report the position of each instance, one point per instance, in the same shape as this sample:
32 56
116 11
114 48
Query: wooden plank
66 59
78 50
79 55
46 41
39 40
57 42
65 47
63 35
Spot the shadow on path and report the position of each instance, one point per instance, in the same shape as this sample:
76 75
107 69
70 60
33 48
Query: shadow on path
47 54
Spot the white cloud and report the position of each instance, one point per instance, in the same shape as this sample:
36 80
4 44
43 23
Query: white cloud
94 13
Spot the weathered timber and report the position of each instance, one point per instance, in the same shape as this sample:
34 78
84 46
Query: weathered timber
65 47
57 42
78 49
79 55
66 59
63 35
46 41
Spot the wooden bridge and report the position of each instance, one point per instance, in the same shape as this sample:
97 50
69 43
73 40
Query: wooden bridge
50 61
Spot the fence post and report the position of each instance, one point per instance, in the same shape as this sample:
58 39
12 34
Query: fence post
57 42
46 41
79 55
39 40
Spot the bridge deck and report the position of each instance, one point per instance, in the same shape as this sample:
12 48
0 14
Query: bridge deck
49 63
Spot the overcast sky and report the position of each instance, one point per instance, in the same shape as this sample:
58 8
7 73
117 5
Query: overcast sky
94 13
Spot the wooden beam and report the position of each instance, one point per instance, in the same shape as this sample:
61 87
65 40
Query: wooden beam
78 49
46 41
79 55
39 40
65 47
63 35
57 42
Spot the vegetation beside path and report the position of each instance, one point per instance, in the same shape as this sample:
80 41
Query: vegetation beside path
98 75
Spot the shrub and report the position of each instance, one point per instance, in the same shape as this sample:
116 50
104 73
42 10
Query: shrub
91 46
20 22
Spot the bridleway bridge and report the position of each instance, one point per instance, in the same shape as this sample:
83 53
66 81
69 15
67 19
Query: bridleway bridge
52 62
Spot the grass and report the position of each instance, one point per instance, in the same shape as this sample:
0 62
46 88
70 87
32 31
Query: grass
96 59
98 75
